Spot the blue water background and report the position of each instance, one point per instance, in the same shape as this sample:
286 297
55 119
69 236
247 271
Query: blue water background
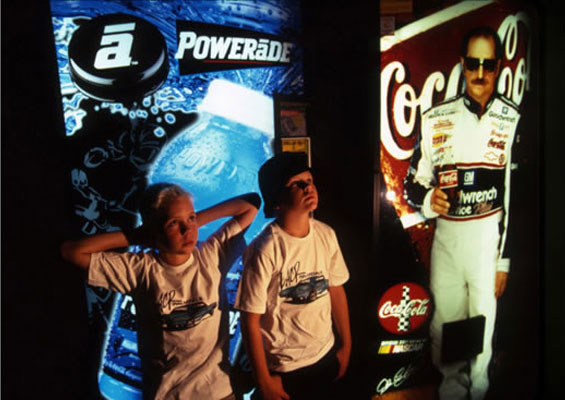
158 114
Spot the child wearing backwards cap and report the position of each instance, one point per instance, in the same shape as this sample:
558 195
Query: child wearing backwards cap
291 289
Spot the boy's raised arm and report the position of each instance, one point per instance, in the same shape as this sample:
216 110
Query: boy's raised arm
78 251
242 208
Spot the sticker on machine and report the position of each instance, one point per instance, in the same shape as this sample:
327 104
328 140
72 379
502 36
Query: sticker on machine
401 346
404 308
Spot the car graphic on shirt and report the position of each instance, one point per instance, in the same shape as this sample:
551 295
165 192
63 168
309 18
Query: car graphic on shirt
186 317
306 291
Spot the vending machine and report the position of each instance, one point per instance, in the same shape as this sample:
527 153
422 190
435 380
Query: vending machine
427 91
177 91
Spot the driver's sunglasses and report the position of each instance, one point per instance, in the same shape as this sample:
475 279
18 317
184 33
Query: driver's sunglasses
472 64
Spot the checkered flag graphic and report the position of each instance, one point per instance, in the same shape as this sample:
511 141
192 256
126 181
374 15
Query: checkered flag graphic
404 318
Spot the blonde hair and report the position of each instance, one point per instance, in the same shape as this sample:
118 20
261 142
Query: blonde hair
155 199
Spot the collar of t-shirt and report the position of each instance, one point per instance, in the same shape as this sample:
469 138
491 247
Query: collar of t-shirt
288 236
176 267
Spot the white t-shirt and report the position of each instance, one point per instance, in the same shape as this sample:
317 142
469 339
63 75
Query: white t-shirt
182 332
286 279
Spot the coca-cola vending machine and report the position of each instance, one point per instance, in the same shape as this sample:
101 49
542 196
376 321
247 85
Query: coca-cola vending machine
421 65
178 91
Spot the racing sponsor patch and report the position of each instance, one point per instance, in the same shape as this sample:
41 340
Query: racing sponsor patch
438 139
499 135
491 156
501 117
469 178
497 144
443 124
448 179
500 126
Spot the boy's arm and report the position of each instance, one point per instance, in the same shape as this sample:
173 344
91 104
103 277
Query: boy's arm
270 385
340 314
242 208
78 251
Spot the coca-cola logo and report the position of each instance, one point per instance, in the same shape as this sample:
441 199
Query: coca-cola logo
497 144
401 101
417 74
448 179
404 308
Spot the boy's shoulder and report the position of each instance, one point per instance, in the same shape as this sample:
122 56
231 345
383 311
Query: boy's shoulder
320 226
265 238
132 257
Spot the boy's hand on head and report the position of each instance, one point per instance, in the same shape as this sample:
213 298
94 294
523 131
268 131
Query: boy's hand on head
272 389
140 236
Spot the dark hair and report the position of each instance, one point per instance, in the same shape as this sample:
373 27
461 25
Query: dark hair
486 32
155 198
275 173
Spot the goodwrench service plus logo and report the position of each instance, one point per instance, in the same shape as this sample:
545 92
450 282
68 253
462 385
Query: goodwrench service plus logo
404 308
206 47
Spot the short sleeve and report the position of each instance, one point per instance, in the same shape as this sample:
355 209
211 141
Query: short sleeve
223 246
119 272
338 272
252 293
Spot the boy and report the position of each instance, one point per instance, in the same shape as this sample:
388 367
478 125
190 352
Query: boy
291 288
175 289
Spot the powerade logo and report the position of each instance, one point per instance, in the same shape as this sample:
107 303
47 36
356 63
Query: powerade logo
118 57
206 47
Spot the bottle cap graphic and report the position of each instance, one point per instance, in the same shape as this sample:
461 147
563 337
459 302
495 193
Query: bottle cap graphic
118 57
239 104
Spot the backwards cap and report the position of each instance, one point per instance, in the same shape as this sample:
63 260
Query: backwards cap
274 175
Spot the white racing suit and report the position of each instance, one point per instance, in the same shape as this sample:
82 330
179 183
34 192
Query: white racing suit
469 158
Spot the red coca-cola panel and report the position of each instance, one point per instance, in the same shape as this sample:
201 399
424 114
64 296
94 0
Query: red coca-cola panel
420 66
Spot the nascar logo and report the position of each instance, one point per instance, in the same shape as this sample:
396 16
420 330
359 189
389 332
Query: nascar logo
401 346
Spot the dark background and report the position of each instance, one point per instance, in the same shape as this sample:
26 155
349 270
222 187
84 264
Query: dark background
44 320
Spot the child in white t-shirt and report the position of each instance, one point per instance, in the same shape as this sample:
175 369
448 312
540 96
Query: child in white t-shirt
176 288
291 289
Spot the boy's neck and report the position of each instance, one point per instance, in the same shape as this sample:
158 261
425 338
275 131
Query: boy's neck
297 225
174 259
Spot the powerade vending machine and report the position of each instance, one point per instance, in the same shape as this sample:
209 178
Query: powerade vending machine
156 91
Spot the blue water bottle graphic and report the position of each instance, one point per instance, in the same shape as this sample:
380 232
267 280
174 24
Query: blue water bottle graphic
219 155
120 374
215 158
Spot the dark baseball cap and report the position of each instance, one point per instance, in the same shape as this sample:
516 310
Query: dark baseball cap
275 173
